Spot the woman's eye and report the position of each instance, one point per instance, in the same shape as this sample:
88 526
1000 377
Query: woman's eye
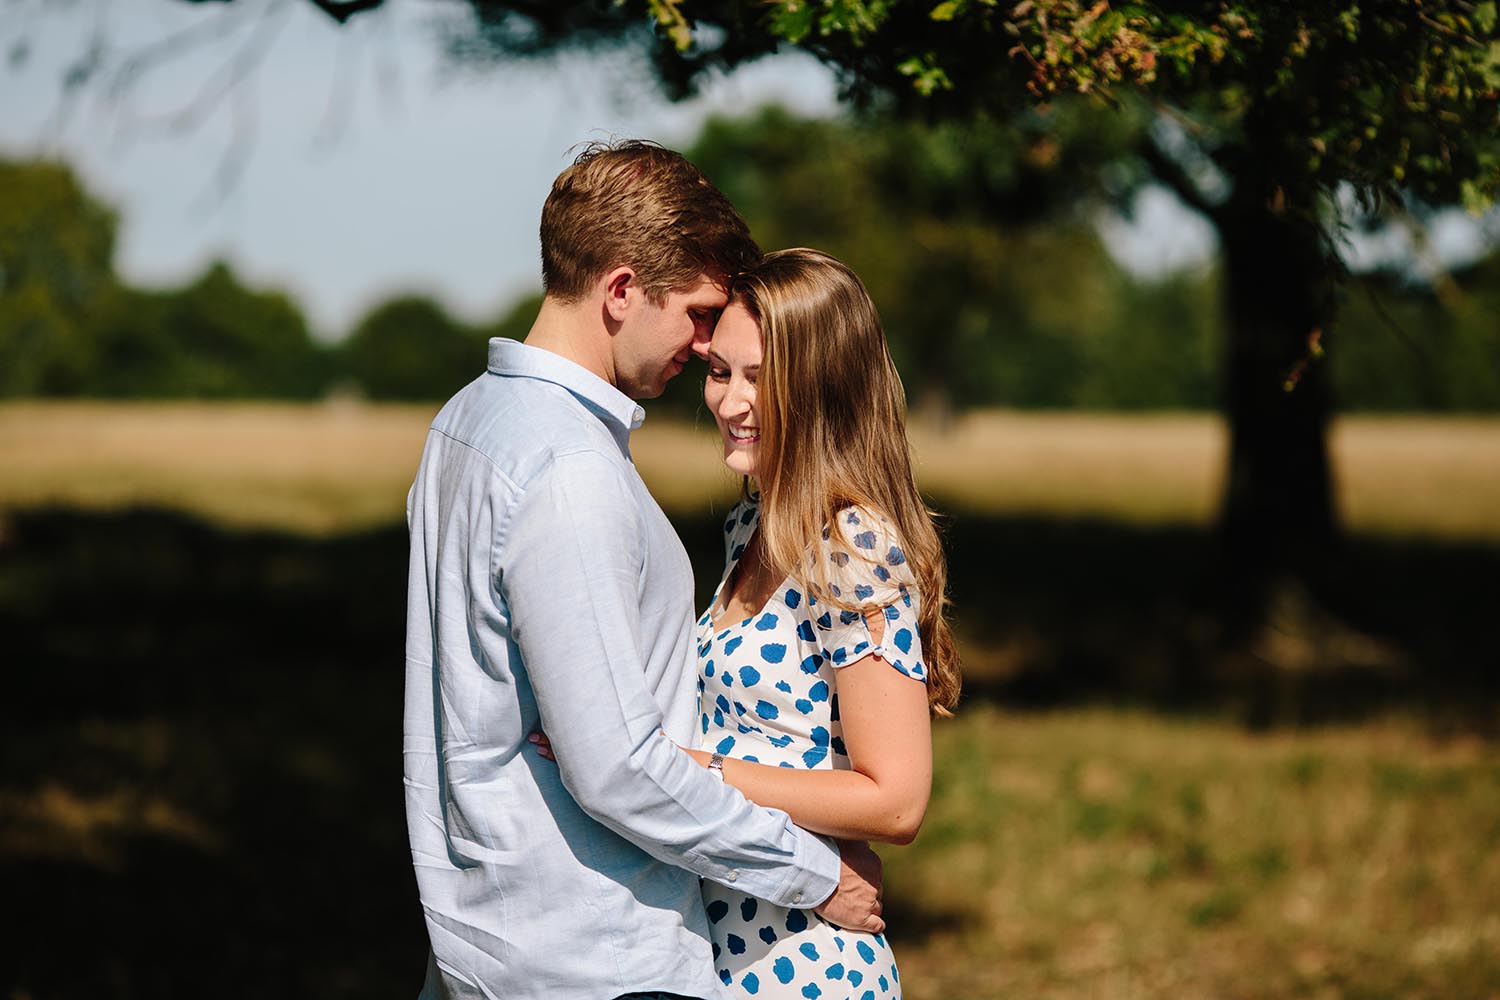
718 374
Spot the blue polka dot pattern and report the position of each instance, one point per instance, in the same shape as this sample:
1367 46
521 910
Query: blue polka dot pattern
768 691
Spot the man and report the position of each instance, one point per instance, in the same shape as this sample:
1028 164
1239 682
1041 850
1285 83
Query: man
547 590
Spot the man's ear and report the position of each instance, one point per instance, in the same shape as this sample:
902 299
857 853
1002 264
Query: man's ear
621 289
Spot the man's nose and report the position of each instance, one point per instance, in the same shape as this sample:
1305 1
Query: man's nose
700 343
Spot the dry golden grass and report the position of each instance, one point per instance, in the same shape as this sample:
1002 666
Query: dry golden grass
316 468
329 467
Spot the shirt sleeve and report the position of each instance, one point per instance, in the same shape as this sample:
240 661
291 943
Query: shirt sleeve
569 560
866 569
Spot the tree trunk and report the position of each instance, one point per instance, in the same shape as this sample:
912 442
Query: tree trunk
1277 518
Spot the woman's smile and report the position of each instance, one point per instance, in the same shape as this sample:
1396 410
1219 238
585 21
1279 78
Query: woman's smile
734 359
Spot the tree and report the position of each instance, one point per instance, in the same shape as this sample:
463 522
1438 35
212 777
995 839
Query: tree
1262 110
214 339
56 275
410 349
960 235
1422 347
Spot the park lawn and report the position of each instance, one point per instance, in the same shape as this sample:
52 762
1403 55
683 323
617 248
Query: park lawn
327 468
1087 853
1108 854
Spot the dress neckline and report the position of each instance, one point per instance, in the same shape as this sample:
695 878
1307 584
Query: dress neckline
716 623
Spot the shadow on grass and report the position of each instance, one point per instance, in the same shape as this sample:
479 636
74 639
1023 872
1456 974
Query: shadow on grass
201 730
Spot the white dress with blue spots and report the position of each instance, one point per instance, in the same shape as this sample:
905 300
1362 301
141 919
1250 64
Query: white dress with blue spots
767 692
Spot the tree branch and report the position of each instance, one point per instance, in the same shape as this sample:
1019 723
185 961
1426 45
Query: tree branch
1170 173
342 10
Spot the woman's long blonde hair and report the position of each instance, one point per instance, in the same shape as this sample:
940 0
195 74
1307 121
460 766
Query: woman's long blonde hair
832 416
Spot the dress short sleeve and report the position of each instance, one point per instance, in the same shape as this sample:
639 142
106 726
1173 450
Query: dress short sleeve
867 569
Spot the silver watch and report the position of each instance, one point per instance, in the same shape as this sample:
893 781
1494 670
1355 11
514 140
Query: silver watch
716 765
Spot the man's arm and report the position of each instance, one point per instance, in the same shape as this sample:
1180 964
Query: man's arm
569 559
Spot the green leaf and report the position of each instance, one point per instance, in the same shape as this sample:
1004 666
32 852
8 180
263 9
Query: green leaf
792 21
1484 16
946 11
1489 69
927 77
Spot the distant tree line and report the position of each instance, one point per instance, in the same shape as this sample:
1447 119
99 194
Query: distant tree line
69 326
1028 313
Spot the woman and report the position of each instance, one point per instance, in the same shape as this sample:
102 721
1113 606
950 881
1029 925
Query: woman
825 648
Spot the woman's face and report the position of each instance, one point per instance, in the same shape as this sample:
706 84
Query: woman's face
733 368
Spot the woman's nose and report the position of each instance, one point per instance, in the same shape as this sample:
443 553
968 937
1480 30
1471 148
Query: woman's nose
737 399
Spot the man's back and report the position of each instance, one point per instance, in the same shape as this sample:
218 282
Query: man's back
525 893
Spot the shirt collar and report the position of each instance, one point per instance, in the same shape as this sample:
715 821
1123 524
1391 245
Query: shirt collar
618 411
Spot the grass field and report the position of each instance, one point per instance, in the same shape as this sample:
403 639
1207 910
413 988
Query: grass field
1099 854
201 732
323 468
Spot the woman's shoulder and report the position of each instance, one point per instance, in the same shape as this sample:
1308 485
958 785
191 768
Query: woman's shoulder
863 557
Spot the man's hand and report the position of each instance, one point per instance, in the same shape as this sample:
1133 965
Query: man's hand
855 904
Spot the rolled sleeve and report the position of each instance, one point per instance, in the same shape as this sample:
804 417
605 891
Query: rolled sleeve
569 565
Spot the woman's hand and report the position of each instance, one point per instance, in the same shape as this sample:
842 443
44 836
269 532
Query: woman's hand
539 740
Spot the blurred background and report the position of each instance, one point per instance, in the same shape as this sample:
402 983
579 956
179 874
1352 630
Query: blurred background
1220 482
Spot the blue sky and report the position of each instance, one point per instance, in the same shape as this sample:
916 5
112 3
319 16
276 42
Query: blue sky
370 164
432 180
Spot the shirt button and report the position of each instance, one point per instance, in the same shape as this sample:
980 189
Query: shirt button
733 875
796 897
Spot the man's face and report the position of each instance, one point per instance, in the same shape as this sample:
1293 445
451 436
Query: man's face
655 343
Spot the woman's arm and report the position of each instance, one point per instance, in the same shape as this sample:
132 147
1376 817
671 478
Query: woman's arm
888 733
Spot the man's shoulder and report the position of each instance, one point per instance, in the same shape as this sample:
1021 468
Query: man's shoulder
523 425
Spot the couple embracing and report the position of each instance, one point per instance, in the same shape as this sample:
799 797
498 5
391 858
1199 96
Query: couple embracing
606 797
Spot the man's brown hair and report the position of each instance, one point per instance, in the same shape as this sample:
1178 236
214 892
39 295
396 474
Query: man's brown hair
637 204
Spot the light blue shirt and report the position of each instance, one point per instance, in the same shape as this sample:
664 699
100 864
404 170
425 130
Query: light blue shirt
547 589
